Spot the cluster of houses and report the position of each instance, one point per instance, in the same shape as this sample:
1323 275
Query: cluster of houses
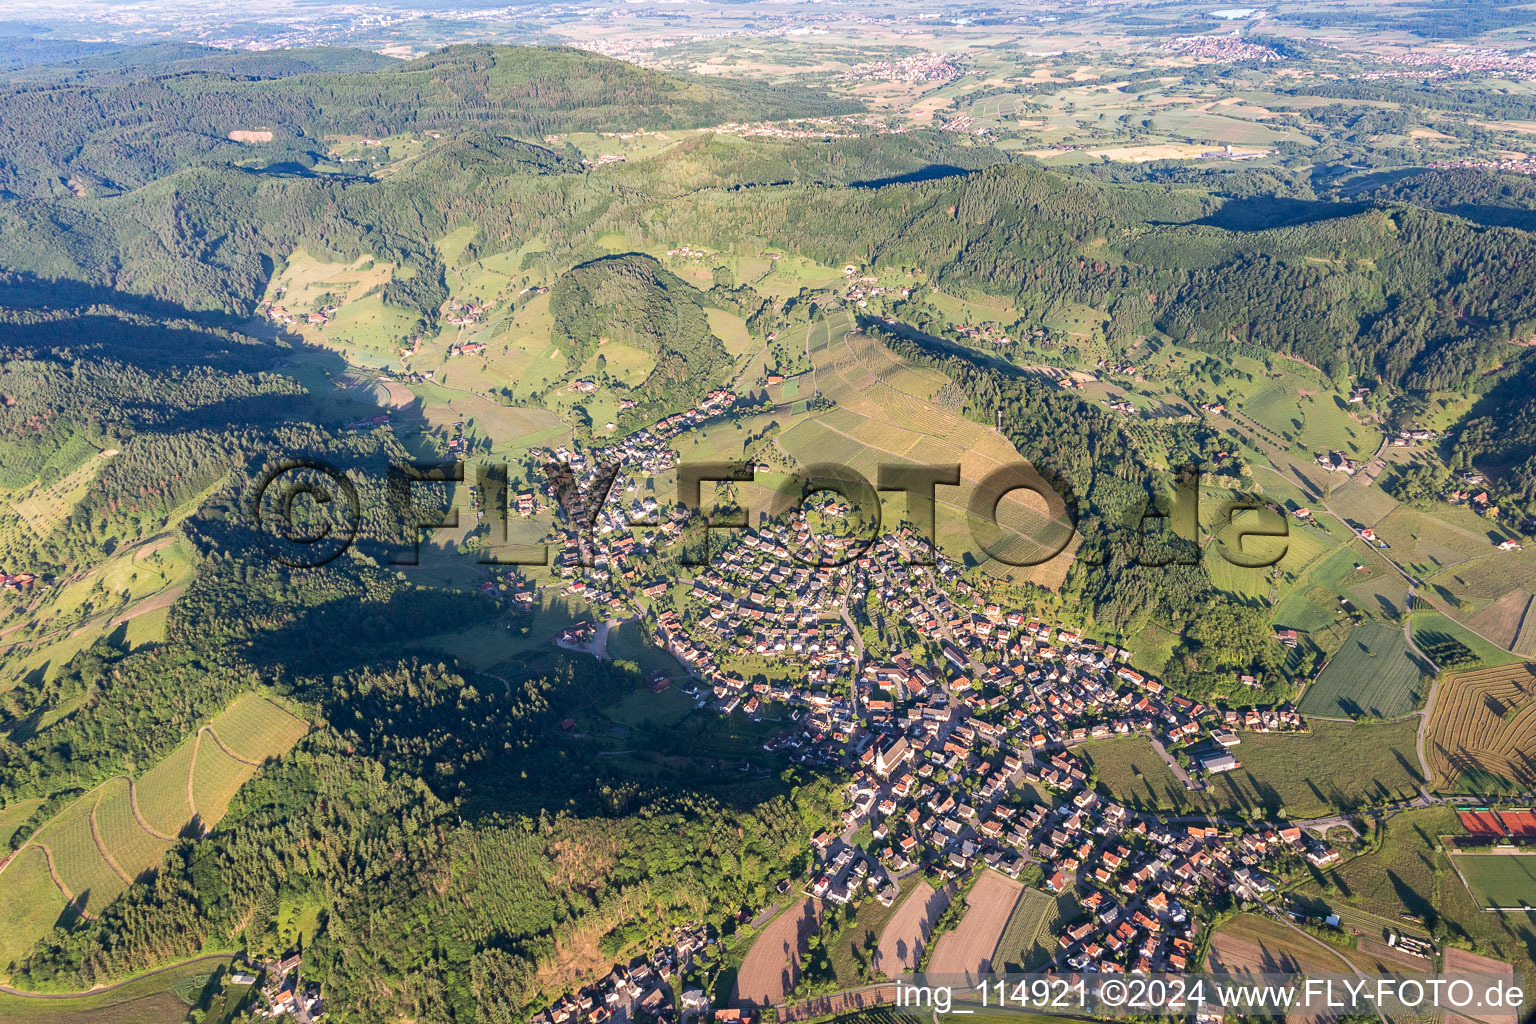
959 738
279 314
462 314
1409 438
927 67
1228 49
1337 462
283 993
16 580
1470 492
468 348
640 989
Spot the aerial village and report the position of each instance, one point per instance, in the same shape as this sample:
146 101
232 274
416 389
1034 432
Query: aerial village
955 766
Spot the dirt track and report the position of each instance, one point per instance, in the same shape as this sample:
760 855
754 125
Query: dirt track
968 949
773 964
905 935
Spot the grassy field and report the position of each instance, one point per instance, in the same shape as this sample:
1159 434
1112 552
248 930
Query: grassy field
1482 734
151 999
1411 874
891 412
1437 632
643 707
254 728
1499 880
1029 938
848 949
1374 675
12 816
1335 766
32 906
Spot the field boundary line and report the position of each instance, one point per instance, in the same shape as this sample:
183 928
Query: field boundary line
197 741
101 847
133 803
99 989
220 744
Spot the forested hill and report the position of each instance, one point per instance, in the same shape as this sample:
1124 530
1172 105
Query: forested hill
60 60
124 131
1423 299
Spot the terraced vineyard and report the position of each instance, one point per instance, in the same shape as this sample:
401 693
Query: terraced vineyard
90 851
161 792
216 777
79 866
131 848
250 730
1482 736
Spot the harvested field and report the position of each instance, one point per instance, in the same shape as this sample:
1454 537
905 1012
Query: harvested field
902 942
772 965
1250 945
1460 963
968 949
1483 729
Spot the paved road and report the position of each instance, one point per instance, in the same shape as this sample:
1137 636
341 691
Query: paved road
1174 766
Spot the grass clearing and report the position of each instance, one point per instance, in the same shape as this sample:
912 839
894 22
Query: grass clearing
1373 675
32 906
1335 766
13 815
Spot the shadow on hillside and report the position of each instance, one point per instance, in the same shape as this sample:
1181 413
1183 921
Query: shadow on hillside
1260 213
931 172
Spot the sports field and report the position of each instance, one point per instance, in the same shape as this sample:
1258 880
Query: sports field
1499 880
1374 675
